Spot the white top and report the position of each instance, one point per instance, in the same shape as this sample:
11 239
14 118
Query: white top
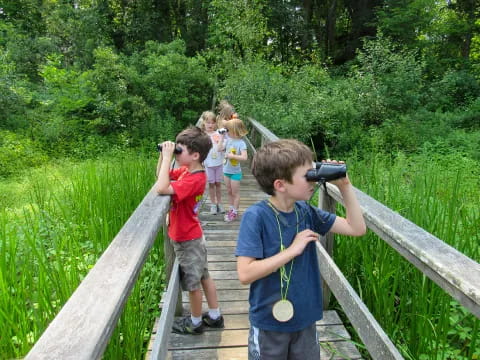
214 157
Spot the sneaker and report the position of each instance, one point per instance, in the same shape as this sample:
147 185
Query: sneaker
227 215
185 326
213 209
220 209
230 216
208 321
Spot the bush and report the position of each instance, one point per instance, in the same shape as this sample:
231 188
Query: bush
389 80
454 89
17 153
155 89
291 106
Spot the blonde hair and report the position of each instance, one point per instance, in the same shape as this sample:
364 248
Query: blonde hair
236 128
225 113
207 115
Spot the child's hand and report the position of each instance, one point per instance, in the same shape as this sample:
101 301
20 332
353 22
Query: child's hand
168 147
342 181
301 240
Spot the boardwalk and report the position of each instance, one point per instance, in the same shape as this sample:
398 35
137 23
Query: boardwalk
231 342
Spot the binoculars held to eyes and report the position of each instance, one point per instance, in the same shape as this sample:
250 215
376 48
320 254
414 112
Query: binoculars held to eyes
178 149
222 131
325 171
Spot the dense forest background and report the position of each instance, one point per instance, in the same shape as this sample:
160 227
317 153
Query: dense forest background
88 87
83 77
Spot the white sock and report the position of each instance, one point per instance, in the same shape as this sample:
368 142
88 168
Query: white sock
214 313
234 210
196 320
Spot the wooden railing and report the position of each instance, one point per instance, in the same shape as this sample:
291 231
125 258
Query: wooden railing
83 327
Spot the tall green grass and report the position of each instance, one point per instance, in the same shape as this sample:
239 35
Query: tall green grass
440 194
49 242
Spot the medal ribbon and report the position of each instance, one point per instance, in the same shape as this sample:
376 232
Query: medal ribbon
283 272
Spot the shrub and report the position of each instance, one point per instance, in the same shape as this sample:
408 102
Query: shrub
454 89
17 153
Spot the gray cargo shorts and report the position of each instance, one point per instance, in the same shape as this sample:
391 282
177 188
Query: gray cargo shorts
273 345
192 257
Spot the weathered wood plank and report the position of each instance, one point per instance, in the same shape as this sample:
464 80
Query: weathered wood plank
213 258
227 251
217 275
224 295
240 321
221 243
334 350
229 284
217 266
233 338
227 307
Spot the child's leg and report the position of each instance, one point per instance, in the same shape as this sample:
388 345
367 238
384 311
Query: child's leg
210 290
235 190
228 185
213 318
218 192
195 298
212 192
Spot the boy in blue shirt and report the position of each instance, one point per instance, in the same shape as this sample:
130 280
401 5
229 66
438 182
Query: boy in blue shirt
276 252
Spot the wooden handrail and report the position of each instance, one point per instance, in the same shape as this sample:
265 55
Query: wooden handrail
453 271
82 328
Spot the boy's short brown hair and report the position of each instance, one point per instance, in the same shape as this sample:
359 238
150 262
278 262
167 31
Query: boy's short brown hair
278 160
196 141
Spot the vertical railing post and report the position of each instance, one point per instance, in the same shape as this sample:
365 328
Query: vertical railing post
327 203
169 255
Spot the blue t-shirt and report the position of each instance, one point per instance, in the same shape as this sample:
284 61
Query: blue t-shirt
259 238
233 146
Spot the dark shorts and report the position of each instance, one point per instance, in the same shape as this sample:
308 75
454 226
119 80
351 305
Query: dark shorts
273 345
192 257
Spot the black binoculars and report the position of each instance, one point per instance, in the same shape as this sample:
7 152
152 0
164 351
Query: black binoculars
325 171
222 131
178 149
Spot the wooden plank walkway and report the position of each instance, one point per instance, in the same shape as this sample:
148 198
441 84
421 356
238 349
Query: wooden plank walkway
231 342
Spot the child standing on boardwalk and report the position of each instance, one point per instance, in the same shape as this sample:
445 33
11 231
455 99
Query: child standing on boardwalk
186 185
214 162
235 151
226 112
276 252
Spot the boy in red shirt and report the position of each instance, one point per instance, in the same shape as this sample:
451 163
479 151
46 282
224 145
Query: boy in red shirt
186 185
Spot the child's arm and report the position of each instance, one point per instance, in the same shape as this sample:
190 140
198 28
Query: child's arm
163 186
242 157
353 224
250 269
221 144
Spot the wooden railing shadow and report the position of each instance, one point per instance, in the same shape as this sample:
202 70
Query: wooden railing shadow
83 327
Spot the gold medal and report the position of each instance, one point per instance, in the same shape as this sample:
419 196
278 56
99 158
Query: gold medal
282 310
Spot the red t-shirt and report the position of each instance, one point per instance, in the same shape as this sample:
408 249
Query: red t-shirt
189 187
